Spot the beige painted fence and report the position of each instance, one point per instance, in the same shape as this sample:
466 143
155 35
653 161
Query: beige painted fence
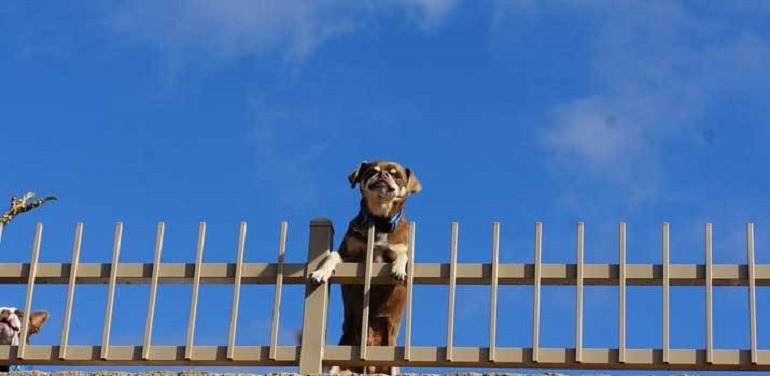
314 352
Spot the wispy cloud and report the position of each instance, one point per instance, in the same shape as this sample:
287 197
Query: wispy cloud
232 28
657 67
428 14
207 33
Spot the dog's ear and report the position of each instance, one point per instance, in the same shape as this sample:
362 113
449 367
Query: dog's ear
19 313
412 183
353 177
36 321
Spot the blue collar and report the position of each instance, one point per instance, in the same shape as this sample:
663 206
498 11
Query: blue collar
381 224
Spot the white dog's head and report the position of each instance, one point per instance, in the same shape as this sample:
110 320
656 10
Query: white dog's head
10 324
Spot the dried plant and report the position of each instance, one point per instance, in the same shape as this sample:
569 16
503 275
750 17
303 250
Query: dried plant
22 205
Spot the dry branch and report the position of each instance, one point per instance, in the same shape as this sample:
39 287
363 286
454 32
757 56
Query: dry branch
22 205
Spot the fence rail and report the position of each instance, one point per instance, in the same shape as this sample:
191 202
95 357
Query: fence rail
424 274
313 352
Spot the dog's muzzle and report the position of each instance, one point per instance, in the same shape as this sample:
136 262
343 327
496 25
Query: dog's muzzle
382 181
8 318
10 326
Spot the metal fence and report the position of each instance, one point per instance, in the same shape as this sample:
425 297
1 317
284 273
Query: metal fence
314 352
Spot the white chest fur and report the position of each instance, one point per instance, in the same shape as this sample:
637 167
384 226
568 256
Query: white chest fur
380 246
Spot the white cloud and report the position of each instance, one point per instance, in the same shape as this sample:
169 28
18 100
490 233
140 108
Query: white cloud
657 68
429 14
227 28
206 32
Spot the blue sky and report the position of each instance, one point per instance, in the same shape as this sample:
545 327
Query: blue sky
510 111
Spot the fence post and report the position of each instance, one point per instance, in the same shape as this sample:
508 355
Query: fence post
316 299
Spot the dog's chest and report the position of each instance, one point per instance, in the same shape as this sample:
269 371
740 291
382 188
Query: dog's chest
8 336
381 247
384 250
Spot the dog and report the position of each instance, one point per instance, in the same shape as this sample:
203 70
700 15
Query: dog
10 327
385 187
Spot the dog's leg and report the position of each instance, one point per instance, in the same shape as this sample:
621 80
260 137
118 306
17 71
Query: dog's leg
326 270
393 328
398 267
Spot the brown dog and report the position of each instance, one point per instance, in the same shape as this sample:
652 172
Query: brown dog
384 187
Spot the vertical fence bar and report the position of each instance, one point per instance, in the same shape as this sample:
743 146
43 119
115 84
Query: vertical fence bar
30 290
367 289
153 292
278 288
666 292
536 293
579 295
111 291
709 298
622 293
316 299
493 290
409 294
236 292
752 292
188 349
452 289
65 330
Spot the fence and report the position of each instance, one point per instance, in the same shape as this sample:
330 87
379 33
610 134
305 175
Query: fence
314 352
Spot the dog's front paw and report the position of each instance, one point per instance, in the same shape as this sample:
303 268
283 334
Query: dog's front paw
398 273
321 275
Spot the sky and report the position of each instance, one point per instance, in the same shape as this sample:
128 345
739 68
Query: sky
513 111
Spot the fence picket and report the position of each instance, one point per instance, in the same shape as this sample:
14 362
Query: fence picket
579 295
33 265
493 290
236 292
622 293
409 294
147 342
65 330
105 350
452 291
278 287
536 293
752 293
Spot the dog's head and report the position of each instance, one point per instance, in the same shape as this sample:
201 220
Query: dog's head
384 185
10 324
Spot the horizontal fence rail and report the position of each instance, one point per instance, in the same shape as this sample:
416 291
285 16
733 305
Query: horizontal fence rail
314 353
424 274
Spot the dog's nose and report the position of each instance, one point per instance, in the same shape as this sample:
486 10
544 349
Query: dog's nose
385 174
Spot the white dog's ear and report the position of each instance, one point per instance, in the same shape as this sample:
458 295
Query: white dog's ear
353 177
36 321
